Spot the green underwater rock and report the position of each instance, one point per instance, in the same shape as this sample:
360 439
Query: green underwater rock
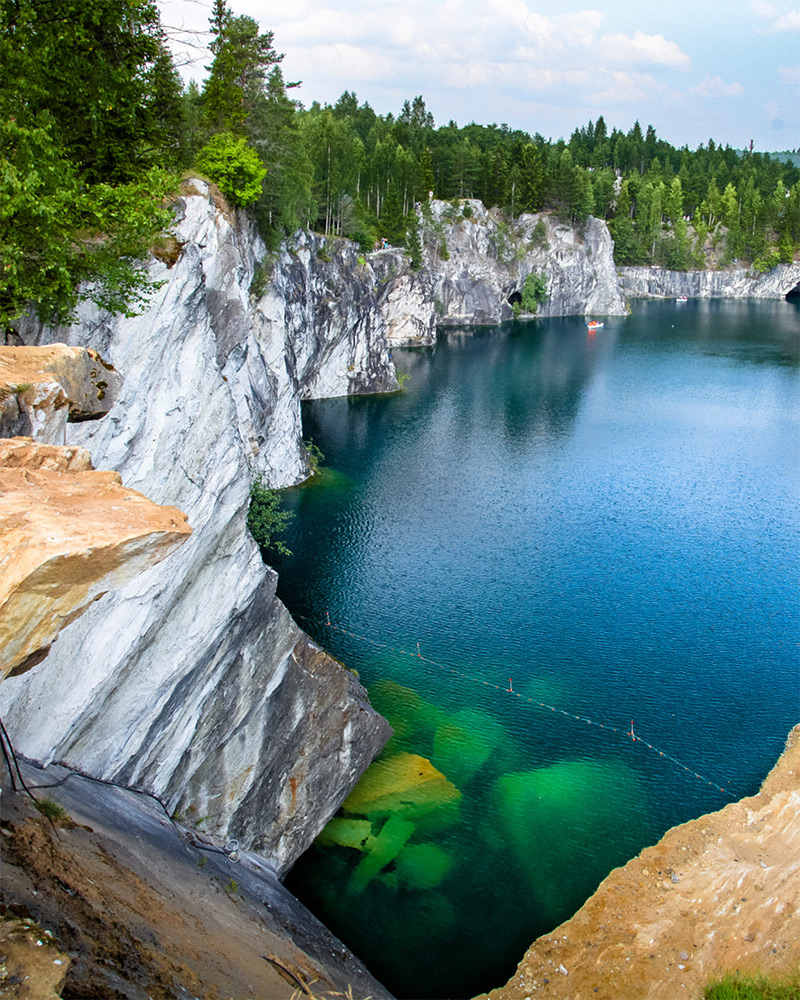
464 742
343 831
384 849
422 866
412 718
552 815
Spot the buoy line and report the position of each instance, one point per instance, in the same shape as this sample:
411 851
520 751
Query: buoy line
328 624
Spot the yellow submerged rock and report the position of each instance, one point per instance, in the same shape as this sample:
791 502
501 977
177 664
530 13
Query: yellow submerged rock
406 785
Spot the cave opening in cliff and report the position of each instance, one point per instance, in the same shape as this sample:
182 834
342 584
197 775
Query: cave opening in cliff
515 298
794 293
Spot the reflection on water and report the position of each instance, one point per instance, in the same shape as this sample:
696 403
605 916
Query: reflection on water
605 525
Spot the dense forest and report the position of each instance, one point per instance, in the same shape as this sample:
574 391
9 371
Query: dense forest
96 128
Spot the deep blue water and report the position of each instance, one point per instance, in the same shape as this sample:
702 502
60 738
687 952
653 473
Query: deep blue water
608 525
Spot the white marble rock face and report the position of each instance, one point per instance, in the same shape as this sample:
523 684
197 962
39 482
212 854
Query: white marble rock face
193 681
736 283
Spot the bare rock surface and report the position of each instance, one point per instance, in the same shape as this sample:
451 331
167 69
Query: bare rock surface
68 534
714 895
733 283
42 388
475 266
128 904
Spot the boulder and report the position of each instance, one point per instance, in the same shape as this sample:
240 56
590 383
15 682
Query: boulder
68 534
42 388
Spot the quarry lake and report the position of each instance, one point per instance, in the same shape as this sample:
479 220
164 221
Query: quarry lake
549 540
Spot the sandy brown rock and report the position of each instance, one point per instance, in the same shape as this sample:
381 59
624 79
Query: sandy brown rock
41 388
31 966
717 894
68 534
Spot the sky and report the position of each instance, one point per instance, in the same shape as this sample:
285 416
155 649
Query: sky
693 69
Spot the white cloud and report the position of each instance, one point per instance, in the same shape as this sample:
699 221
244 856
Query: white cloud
789 74
780 18
715 86
764 10
787 22
341 61
642 49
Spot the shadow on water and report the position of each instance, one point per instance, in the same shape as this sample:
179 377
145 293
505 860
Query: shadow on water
605 524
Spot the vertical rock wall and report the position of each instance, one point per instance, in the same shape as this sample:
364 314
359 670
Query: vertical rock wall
194 681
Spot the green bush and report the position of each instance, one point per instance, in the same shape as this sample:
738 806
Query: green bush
234 166
314 456
266 518
534 291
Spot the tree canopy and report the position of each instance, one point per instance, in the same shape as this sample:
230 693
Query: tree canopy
93 116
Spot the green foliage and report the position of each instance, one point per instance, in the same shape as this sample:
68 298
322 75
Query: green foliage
539 239
534 291
505 243
231 886
242 59
89 108
62 240
314 456
97 75
266 518
412 241
736 986
262 273
234 165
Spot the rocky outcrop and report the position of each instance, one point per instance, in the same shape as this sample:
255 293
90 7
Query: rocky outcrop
657 282
41 388
195 683
475 265
717 894
68 534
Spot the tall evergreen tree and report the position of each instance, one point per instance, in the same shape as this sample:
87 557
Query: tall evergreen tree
80 198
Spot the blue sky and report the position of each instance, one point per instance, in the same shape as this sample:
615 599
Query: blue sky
694 70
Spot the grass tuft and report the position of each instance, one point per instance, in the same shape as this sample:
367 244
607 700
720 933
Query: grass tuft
52 811
735 986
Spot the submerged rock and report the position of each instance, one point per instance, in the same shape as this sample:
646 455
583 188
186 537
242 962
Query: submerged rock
405 785
551 815
465 743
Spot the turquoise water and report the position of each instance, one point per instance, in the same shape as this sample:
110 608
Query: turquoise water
606 525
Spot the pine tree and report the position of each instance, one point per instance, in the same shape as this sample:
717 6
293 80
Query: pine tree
531 179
